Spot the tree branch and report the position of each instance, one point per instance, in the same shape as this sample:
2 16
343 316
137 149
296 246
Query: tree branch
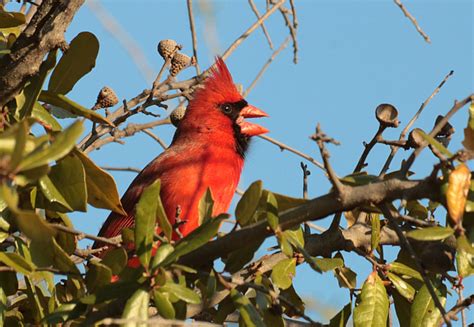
44 33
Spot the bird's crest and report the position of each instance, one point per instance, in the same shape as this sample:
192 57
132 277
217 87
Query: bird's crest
219 85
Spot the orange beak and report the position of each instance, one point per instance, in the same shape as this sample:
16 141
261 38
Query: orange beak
250 129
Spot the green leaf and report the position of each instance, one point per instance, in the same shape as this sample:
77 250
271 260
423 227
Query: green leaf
20 143
73 107
248 203
11 19
272 211
403 270
98 275
115 259
136 308
163 222
145 222
283 273
206 205
181 292
295 236
17 262
423 309
78 60
196 239
375 234
161 253
405 289
436 233
345 276
416 209
67 184
373 306
248 313
163 305
359 178
327 264
3 305
434 143
341 318
464 257
61 146
285 202
296 302
32 91
101 189
46 119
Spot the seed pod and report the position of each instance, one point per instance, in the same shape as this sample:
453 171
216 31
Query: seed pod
415 138
387 115
106 98
179 62
167 48
456 195
177 115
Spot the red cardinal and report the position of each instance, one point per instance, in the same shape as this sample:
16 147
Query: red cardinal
207 151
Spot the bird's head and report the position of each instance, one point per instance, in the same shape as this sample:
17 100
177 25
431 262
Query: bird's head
218 105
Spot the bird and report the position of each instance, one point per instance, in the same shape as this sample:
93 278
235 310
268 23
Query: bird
207 152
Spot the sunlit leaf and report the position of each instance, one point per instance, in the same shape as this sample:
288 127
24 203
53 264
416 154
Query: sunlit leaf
17 262
77 61
145 222
63 143
163 305
464 257
373 305
375 233
435 233
359 178
181 292
101 189
136 308
405 289
283 273
404 271
75 108
161 253
423 309
468 141
402 308
327 264
46 119
456 195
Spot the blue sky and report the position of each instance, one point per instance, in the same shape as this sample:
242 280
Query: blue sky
353 55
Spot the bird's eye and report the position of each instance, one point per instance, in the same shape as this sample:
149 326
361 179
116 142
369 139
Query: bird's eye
226 108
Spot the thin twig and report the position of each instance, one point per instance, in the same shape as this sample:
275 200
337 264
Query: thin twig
264 29
320 138
250 30
266 65
456 107
413 20
115 241
460 306
292 29
306 173
156 138
407 246
283 146
193 35
130 169
405 130
368 147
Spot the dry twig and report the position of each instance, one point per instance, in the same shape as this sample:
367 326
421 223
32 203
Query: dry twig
413 20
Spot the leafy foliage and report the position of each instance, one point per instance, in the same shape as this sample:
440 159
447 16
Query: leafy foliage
45 176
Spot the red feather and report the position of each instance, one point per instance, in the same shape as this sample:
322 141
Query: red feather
202 155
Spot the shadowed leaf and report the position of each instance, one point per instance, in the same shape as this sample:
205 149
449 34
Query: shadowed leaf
248 203
77 61
341 318
436 233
